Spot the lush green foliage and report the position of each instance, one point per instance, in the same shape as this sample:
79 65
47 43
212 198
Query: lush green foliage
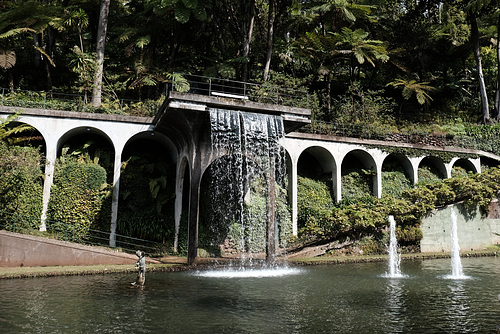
77 194
395 182
368 109
21 181
480 137
403 60
368 218
314 199
147 197
230 223
356 185
429 174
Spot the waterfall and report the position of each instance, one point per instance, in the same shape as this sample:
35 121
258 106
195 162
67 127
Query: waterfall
456 262
394 256
244 179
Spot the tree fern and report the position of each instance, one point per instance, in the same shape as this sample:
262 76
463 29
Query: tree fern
11 135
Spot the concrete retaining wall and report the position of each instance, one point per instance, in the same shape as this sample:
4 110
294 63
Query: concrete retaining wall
474 231
25 250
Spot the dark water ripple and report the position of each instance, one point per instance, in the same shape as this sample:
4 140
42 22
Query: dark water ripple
349 298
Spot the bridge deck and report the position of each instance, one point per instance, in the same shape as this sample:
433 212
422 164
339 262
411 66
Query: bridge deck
293 117
363 141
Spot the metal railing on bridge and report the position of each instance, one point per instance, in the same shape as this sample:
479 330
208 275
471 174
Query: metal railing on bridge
255 92
24 224
74 102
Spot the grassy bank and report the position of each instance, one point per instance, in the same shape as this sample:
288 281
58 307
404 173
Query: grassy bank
31 272
321 260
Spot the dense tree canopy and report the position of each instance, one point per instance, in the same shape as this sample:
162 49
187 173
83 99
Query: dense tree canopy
429 57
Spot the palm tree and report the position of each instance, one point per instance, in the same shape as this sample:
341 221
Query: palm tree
421 90
358 49
474 9
102 29
36 19
11 135
78 18
7 62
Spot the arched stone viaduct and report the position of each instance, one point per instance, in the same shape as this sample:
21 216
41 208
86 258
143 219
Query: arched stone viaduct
330 155
181 130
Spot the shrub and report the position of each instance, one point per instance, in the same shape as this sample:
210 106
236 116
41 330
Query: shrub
21 181
314 198
77 194
356 185
428 174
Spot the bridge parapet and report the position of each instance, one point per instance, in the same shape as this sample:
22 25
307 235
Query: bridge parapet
239 90
293 117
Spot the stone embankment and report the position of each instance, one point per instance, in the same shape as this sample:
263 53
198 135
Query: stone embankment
429 140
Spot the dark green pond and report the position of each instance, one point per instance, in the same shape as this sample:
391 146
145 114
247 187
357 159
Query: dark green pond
348 298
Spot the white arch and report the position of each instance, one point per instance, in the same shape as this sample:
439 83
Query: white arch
118 132
405 163
438 163
294 149
375 164
475 164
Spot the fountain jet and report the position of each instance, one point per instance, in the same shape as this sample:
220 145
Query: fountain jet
456 262
394 256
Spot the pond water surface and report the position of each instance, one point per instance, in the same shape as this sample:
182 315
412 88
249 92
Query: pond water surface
347 298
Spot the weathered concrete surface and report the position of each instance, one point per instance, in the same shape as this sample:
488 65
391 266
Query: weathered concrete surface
474 231
17 250
49 113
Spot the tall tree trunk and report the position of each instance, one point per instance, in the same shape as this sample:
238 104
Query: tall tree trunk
479 66
247 39
497 93
101 42
270 39
11 80
49 49
37 43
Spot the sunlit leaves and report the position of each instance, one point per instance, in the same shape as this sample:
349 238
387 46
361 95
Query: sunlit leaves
142 41
412 87
366 217
7 59
180 83
356 43
77 194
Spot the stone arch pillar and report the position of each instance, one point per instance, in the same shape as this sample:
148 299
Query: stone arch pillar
415 162
116 192
378 158
179 189
51 156
194 210
337 185
293 192
293 154
477 163
448 167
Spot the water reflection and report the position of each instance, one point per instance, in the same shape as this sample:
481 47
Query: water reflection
321 299
35 305
458 309
396 306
